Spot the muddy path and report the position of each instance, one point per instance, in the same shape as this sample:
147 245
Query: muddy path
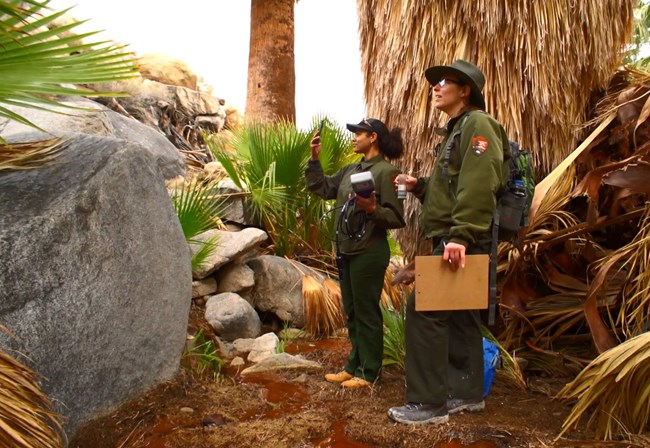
297 409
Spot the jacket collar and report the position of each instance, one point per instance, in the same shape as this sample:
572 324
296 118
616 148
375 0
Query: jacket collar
365 164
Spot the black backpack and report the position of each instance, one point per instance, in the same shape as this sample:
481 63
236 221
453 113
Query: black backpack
515 201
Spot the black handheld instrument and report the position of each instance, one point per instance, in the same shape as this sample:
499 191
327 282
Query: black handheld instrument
316 139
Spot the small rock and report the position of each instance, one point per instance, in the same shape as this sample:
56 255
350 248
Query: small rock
186 410
214 420
300 379
237 362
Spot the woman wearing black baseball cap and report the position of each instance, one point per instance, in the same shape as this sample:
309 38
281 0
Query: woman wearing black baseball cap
362 241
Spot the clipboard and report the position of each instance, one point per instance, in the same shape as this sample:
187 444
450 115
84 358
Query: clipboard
437 288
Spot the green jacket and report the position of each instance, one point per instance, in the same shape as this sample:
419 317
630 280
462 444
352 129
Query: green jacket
458 202
389 213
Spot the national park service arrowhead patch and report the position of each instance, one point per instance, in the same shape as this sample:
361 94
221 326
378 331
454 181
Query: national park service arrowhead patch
479 145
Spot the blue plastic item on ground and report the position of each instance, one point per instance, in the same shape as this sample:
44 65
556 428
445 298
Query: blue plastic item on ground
490 360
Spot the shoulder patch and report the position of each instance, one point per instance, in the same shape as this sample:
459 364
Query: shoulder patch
479 145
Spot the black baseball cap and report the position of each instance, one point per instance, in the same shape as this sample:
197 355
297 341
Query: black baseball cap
369 125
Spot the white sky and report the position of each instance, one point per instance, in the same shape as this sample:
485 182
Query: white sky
212 37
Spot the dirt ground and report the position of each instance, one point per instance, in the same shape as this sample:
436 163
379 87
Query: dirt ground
299 410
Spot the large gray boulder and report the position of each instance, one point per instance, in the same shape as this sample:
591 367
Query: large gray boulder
278 288
95 119
95 278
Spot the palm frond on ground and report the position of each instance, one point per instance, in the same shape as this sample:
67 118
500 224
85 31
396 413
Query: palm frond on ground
577 284
510 368
26 416
632 315
613 392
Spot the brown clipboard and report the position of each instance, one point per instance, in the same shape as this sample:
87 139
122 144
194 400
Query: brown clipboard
437 288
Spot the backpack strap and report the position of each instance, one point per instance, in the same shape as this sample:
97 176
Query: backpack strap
450 145
492 298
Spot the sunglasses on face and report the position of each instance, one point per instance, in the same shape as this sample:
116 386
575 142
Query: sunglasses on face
443 82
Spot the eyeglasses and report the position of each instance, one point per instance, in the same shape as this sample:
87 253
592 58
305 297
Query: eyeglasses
443 82
364 121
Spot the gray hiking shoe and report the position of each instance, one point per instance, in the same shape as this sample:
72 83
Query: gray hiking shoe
419 414
455 405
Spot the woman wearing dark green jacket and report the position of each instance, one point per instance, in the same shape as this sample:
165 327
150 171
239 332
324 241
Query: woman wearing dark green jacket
361 240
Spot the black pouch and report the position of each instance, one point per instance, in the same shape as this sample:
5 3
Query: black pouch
511 211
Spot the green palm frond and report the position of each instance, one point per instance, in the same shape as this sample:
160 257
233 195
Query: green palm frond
198 210
203 250
267 160
201 356
38 63
35 61
197 207
394 335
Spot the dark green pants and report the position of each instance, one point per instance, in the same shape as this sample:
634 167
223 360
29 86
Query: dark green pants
444 352
362 280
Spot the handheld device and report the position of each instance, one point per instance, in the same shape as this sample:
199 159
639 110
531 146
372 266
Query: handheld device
363 183
316 139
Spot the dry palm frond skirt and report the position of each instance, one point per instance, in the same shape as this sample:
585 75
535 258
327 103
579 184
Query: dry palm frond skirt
26 417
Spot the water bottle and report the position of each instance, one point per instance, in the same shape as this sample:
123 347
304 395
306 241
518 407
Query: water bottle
519 188
401 186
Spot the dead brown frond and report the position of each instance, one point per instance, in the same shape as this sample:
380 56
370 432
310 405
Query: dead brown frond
321 302
322 306
613 392
30 155
394 296
26 416
634 260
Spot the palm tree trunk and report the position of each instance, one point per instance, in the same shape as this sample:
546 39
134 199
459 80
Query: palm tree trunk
271 71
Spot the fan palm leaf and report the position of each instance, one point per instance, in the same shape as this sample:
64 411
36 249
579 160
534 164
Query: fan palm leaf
267 160
198 211
39 64
394 334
